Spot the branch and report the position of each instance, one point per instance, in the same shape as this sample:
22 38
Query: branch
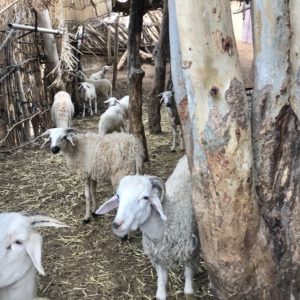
20 122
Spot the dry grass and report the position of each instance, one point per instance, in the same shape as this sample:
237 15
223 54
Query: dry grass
86 261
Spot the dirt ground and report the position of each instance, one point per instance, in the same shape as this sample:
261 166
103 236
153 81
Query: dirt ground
88 261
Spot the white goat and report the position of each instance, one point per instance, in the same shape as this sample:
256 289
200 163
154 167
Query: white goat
103 86
123 102
87 94
112 120
21 254
168 100
97 158
62 110
100 74
166 218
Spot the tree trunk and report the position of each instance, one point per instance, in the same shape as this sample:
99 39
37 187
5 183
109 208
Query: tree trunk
178 82
276 142
234 239
53 70
160 56
135 72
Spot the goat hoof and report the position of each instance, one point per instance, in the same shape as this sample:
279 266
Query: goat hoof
124 238
94 215
86 221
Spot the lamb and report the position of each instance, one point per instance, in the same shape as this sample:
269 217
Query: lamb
62 110
103 86
87 94
123 103
168 100
111 120
165 216
21 253
100 74
97 158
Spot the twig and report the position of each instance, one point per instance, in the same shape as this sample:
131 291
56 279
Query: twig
8 6
20 122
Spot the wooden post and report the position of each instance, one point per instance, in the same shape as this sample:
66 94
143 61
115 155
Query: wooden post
135 72
160 55
116 51
108 45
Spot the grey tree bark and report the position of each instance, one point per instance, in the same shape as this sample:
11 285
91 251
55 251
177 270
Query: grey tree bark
53 70
245 163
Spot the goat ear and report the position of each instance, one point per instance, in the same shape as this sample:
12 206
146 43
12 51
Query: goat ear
108 205
159 95
34 250
161 101
155 201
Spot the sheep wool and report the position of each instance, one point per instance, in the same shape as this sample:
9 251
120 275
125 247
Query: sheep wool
62 110
107 157
179 243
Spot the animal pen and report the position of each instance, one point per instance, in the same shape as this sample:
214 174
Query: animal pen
26 87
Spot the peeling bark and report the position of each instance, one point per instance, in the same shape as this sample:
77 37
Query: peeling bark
234 238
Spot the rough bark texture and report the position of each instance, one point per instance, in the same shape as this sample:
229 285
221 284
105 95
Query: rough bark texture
234 239
276 137
135 72
160 56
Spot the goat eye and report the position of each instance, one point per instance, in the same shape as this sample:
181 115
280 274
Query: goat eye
65 137
18 242
146 198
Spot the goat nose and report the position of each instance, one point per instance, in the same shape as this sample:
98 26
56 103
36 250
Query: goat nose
55 149
168 105
116 225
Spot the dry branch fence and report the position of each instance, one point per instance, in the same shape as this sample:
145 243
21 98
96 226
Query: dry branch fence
25 96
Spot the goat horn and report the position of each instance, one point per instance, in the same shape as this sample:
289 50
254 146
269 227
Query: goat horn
158 182
45 142
45 221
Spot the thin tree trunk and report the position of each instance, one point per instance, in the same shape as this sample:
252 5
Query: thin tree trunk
135 72
160 56
52 59
116 54
233 236
178 82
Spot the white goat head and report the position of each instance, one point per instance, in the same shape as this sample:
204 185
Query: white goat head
111 101
136 196
166 98
59 137
21 245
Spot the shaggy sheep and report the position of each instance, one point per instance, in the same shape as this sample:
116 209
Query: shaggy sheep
97 158
62 110
111 120
100 74
103 86
21 254
87 94
168 100
166 218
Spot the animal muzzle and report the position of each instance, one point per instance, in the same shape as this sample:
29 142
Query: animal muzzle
55 149
168 105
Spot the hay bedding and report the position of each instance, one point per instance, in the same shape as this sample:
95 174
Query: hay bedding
88 261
